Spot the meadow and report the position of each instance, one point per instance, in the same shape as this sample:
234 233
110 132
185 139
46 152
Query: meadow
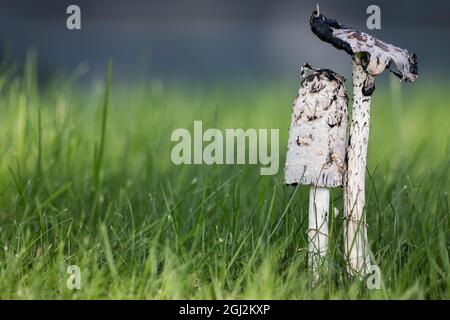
88 181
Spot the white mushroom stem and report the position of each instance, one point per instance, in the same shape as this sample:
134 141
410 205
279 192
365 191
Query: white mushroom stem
319 202
356 246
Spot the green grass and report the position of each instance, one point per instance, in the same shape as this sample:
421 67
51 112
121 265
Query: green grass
90 183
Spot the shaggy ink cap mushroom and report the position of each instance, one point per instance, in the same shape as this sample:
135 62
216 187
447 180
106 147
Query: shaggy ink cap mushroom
370 58
372 54
316 151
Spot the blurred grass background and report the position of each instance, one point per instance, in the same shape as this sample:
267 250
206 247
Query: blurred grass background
139 226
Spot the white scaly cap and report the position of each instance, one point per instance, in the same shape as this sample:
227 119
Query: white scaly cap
318 134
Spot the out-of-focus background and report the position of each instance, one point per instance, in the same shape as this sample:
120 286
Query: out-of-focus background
204 40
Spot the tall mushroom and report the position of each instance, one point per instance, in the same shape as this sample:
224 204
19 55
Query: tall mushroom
316 150
370 57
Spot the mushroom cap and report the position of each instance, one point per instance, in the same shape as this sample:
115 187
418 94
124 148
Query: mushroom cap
373 54
318 133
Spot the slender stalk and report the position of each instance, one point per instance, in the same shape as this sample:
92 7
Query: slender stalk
101 148
355 242
319 203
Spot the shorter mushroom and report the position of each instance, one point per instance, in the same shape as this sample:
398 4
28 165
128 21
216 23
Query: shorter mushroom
370 57
316 150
